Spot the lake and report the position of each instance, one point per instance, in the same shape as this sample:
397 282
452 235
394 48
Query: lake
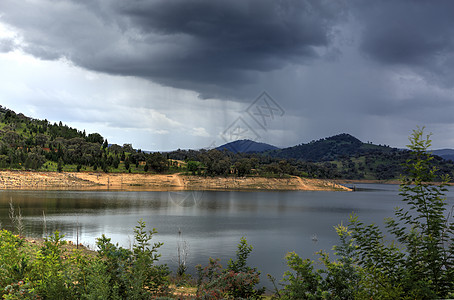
211 222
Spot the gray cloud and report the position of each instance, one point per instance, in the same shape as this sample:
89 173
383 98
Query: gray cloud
363 67
412 33
7 45
216 47
209 46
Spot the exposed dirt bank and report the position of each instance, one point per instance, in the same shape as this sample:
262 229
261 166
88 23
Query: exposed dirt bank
151 182
259 183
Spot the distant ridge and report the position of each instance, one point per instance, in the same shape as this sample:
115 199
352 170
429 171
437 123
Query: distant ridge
447 154
246 146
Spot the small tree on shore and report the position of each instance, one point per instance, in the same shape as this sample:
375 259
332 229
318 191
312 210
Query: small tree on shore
415 262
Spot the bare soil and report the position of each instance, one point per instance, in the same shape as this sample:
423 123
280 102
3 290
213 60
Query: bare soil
154 182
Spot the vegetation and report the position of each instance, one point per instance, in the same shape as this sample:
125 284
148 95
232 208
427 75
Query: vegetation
237 281
414 262
344 156
246 146
54 270
30 144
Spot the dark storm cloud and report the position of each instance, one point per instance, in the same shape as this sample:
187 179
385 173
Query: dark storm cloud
246 35
204 45
7 45
412 33
214 47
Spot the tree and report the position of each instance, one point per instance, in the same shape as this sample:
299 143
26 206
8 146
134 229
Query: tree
41 139
34 161
116 162
417 264
116 149
128 148
422 265
243 166
193 166
95 138
157 162
127 163
60 165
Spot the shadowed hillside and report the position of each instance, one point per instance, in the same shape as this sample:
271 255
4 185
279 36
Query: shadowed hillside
246 146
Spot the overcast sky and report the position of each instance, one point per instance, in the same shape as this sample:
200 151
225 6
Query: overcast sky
168 74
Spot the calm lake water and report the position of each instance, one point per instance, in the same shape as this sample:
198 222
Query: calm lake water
212 223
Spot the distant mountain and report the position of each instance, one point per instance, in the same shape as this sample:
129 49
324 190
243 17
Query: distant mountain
447 154
246 146
328 149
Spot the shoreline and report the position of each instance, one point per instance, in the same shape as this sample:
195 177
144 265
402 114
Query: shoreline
36 180
377 181
365 181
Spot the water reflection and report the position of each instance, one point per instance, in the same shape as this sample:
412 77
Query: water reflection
211 222
186 198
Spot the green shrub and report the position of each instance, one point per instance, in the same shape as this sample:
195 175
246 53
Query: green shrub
417 264
53 272
133 274
50 271
19 290
90 278
146 276
14 261
237 281
117 262
336 280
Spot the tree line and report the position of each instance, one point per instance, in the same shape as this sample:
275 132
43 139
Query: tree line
32 144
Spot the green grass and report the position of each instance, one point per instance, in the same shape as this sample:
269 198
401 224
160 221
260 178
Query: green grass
49 166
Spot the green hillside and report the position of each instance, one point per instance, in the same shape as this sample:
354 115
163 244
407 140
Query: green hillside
31 144
349 158
328 149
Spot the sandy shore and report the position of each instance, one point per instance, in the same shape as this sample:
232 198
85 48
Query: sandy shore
152 182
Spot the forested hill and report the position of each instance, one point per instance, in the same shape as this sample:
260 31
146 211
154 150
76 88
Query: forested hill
246 146
31 144
353 159
329 149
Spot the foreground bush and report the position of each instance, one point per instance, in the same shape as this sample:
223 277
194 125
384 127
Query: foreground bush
14 267
237 281
418 264
54 272
133 274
